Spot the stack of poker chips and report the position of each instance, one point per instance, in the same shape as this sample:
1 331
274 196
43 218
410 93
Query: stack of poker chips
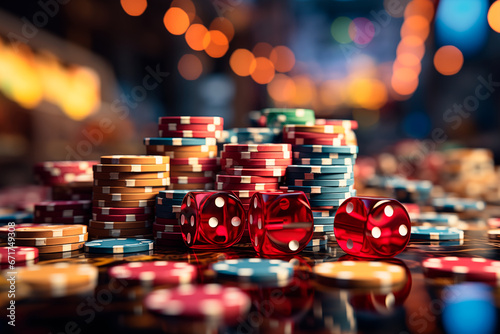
253 135
191 144
167 230
323 160
250 168
69 180
125 189
62 212
278 117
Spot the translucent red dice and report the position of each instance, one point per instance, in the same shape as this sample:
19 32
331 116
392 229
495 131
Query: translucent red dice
280 223
211 220
372 227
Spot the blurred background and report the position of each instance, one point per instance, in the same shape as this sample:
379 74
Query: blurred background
83 78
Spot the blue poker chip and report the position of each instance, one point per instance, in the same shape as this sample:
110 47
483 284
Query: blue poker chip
320 183
435 233
167 202
457 204
317 242
319 169
305 155
324 213
330 196
173 194
321 190
326 203
119 245
180 141
254 270
311 176
435 218
324 161
324 220
323 228
326 149
16 217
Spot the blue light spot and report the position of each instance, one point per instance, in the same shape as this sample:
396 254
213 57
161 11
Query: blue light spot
417 124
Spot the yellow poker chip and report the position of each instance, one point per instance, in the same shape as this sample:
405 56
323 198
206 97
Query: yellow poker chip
360 273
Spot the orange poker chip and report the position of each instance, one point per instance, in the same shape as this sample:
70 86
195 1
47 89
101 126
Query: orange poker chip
134 159
133 183
123 204
168 148
124 197
192 186
125 176
130 168
52 241
182 155
50 231
61 248
314 128
105 225
125 190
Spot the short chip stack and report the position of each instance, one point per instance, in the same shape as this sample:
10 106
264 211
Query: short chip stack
69 180
63 212
278 117
125 189
191 144
250 168
167 230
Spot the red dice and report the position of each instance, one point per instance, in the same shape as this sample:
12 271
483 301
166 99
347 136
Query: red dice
211 220
280 223
372 227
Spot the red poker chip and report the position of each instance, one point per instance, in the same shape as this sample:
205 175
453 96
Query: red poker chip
155 272
244 193
68 213
18 254
257 147
122 218
257 155
188 180
190 127
312 135
239 171
246 179
255 162
166 228
77 165
165 221
317 141
463 268
207 301
195 161
189 134
191 120
346 123
63 205
63 220
121 211
243 186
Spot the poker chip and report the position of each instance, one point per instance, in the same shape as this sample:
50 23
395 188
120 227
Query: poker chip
317 141
159 150
180 141
176 236
155 272
320 190
277 117
274 172
253 186
314 135
463 268
318 177
118 233
210 127
164 221
320 183
17 254
16 217
436 233
124 204
124 197
326 196
192 186
360 273
179 170
132 175
254 270
319 169
209 301
191 149
118 246
52 241
47 230
186 180
312 155
322 220
494 222
209 174
135 159
166 228
60 248
63 220
241 155
316 243
191 120
494 234
59 279
189 134
457 204
121 218
63 205
435 218
326 149
330 203
257 147
134 182
117 225
125 190
246 179
128 168
345 123
314 128
257 163
325 161
121 211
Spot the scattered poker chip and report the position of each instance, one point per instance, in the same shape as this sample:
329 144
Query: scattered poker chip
124 204
117 225
494 234
60 248
360 273
457 204
191 120
320 190
275 172
124 197
17 254
243 186
135 159
320 183
258 163
208 301
345 123
256 155
319 169
16 217
326 149
318 177
189 134
186 180
211 127
63 205
123 176
236 179
254 270
121 211
463 268
128 168
125 190
118 233
436 233
325 161
118 246
49 231
52 241
172 194
155 272
181 141
61 214
134 183
257 147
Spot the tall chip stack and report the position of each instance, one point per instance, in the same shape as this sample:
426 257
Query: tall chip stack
191 144
125 190
167 231
323 160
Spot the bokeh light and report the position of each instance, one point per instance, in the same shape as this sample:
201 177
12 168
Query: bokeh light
305 91
223 25
367 93
281 88
413 45
195 37
340 30
264 71
187 6
282 58
242 62
424 8
134 7
332 93
415 25
217 43
395 8
494 16
190 67
361 30
176 21
262 49
403 87
448 60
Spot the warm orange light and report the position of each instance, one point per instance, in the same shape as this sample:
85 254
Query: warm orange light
195 37
415 25
187 6
242 62
176 21
264 71
404 87
405 74
411 44
282 58
448 60
262 50
332 93
223 25
282 88
424 8
305 91
494 16
408 59
367 93
190 67
134 7
217 43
